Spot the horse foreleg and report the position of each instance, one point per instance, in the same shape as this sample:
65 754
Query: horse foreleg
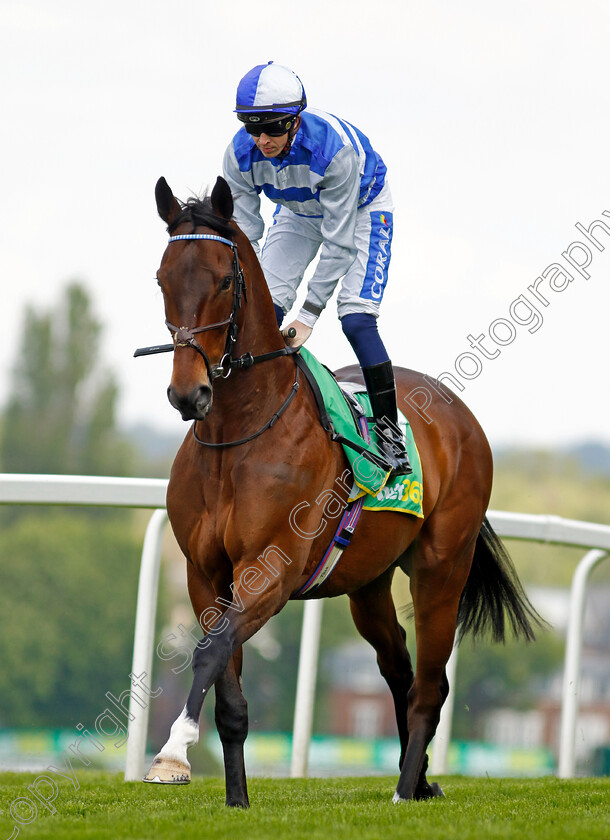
232 724
210 659
171 765
245 614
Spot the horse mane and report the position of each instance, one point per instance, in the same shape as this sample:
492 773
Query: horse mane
199 212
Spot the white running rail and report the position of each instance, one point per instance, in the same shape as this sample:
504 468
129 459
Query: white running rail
150 493
112 492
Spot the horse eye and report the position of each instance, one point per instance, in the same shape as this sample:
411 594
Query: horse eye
226 283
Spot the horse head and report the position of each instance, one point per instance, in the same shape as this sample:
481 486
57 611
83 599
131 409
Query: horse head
203 290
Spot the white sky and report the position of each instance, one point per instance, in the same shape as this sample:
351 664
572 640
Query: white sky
493 119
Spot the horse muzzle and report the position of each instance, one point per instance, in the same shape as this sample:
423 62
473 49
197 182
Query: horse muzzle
195 405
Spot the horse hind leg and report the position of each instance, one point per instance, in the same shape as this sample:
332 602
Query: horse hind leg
437 580
375 618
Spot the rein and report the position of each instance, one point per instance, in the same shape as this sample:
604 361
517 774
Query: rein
264 428
185 337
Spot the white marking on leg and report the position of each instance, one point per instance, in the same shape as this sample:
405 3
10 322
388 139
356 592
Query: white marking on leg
183 734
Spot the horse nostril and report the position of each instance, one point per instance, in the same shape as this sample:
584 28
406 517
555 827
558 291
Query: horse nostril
192 406
203 399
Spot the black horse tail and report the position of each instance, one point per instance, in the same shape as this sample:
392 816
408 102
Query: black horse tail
493 593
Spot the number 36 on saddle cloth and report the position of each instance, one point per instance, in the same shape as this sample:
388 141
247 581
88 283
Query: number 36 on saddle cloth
345 413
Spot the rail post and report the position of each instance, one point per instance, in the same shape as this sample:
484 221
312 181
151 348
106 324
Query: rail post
306 687
571 672
144 638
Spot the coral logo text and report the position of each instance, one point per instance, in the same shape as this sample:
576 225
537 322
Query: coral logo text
383 255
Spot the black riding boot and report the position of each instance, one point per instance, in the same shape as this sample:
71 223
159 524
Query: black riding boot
381 387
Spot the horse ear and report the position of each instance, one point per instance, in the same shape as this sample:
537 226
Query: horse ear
167 206
222 200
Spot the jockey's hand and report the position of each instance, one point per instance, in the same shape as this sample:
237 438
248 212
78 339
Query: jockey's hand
302 333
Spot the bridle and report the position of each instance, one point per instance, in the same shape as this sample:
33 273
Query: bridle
185 337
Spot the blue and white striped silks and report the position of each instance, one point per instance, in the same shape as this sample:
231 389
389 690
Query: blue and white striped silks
330 174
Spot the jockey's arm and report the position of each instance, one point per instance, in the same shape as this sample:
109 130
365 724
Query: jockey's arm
339 194
247 203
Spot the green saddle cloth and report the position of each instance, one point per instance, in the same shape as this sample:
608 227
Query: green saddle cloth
403 493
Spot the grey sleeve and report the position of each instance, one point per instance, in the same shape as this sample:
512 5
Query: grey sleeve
247 202
339 191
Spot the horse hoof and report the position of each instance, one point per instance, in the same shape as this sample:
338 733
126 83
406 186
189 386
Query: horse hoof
428 791
168 771
437 789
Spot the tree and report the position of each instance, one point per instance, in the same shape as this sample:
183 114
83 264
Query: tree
491 675
67 603
60 417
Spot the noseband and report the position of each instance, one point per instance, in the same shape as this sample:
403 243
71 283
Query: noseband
184 336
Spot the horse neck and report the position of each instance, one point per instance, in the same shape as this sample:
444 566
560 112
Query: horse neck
252 395
258 332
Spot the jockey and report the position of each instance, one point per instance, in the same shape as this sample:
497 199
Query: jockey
332 195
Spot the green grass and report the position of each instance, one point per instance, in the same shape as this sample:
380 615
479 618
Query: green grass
105 808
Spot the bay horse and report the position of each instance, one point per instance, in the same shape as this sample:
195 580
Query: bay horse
255 487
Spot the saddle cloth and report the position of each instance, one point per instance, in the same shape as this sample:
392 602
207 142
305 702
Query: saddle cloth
403 493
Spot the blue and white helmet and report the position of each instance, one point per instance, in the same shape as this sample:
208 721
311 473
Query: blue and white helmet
268 93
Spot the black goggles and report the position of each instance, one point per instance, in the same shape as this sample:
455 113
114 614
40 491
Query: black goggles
273 129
